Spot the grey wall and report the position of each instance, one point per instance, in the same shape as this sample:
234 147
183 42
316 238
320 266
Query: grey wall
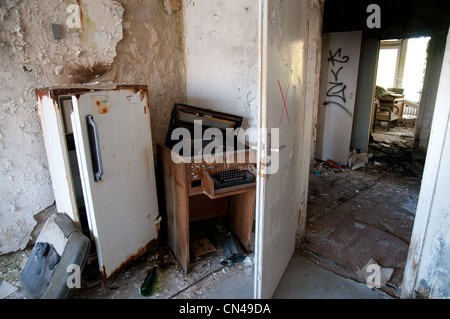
362 118
435 52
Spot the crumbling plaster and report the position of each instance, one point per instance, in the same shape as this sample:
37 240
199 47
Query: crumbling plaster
131 42
151 53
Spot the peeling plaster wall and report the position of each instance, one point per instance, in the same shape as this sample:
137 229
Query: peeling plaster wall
221 45
151 53
312 89
131 42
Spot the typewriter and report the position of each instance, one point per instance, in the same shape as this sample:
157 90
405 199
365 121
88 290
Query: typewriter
203 174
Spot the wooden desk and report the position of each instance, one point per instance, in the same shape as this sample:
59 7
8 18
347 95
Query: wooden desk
390 99
189 196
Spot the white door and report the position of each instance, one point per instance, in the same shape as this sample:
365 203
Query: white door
283 30
57 154
114 149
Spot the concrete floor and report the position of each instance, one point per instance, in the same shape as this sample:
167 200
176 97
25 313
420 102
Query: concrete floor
304 279
367 214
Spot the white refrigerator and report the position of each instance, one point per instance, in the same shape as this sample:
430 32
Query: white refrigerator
100 153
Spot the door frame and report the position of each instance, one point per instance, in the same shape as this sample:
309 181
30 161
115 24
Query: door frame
430 210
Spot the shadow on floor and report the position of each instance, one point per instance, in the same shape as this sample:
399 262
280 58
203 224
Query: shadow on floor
304 279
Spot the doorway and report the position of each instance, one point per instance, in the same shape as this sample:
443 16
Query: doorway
364 215
399 85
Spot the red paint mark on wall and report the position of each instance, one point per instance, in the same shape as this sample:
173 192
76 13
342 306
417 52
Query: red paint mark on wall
284 102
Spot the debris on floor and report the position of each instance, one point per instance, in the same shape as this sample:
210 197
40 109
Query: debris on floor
333 164
148 285
232 254
10 267
60 249
173 282
395 148
208 278
358 160
362 214
374 275
6 289
37 274
202 247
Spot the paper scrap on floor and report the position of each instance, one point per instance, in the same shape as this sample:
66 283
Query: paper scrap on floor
372 270
202 247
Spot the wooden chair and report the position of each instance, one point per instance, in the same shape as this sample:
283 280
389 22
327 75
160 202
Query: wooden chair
386 113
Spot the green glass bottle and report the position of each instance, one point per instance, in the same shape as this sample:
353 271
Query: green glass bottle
149 283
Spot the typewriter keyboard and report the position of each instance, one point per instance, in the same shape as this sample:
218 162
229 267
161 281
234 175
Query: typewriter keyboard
232 177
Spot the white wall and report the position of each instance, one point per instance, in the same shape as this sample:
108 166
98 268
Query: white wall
339 76
415 65
427 269
221 52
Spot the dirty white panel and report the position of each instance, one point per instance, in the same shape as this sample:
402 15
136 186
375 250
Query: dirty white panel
339 76
283 37
57 155
221 49
121 202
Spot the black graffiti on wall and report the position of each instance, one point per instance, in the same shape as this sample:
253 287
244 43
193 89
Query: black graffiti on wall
336 88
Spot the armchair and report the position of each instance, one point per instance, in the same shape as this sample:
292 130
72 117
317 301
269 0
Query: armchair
386 113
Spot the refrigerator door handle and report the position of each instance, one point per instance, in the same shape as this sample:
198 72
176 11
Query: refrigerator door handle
94 144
